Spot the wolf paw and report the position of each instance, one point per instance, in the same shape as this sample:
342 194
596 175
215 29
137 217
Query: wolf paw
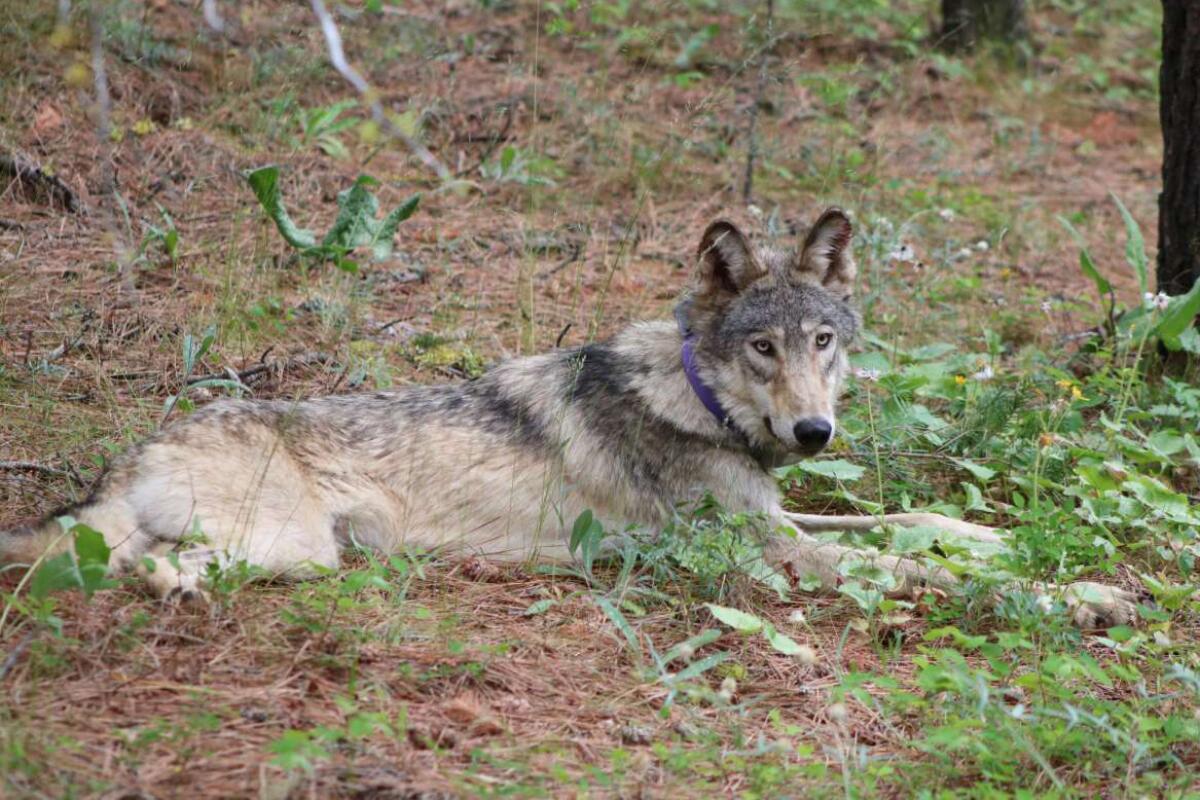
1095 605
186 596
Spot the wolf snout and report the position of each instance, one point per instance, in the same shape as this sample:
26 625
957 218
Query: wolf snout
812 434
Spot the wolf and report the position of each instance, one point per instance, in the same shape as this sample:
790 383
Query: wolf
744 379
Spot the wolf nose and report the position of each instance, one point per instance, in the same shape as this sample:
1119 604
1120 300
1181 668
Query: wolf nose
813 433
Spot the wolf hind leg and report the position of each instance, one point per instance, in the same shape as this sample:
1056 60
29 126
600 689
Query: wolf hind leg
292 543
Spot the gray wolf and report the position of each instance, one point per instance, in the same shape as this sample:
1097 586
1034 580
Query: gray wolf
744 379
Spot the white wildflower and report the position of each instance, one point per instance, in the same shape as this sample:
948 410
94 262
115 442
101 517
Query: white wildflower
982 246
837 712
1158 302
862 373
797 617
985 374
947 214
1162 639
904 254
1018 711
729 686
1047 306
755 211
964 252
686 651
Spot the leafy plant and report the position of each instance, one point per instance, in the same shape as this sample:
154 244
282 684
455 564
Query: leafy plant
323 128
355 226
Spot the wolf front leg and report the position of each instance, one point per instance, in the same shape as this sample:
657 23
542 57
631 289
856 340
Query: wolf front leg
802 557
1091 605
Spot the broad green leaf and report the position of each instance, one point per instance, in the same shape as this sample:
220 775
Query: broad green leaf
706 636
54 575
385 234
841 469
1085 259
698 668
92 555
1135 247
740 621
540 607
916 539
617 618
1179 318
781 642
582 523
265 183
1160 498
978 470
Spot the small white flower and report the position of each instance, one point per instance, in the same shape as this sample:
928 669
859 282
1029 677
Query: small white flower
729 686
1018 711
904 254
947 214
1045 602
797 617
686 651
964 252
755 211
982 246
1047 306
985 374
837 712
864 374
1160 302
1162 639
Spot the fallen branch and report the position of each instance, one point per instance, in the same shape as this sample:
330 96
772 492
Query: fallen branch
255 370
33 466
34 182
337 55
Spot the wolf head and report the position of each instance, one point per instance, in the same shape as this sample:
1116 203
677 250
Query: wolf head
771 328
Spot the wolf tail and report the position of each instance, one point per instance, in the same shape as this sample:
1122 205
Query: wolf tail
25 544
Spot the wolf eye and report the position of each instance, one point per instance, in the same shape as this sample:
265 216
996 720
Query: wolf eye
763 347
823 339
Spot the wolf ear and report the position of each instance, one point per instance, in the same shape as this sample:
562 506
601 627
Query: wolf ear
826 259
727 264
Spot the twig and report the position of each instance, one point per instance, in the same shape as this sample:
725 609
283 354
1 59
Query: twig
302 360
33 466
572 257
759 90
337 55
212 16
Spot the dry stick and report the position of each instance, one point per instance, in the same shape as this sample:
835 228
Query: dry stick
760 89
337 56
212 16
33 466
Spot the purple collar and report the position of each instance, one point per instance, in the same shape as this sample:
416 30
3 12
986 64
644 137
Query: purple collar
703 391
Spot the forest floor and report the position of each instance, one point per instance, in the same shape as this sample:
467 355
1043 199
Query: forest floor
590 147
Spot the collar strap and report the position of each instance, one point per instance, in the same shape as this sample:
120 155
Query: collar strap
703 391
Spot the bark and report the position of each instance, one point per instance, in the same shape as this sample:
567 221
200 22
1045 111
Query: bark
1179 203
967 22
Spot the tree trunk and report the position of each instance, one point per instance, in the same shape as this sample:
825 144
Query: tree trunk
967 22
1179 203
